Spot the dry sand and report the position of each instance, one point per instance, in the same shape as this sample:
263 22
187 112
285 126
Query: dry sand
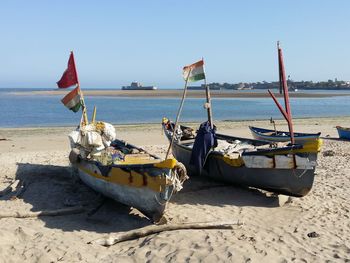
270 233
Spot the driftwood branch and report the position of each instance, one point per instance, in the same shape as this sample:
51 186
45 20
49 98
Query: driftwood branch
146 231
9 188
58 212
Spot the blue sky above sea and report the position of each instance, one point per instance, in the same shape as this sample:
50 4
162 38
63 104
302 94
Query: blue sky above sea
116 42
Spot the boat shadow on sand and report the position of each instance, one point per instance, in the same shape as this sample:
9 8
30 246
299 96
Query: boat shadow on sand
53 187
204 191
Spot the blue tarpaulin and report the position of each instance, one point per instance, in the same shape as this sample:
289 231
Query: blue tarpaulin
204 142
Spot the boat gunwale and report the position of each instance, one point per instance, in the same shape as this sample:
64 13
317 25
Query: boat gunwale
131 166
229 137
145 165
341 128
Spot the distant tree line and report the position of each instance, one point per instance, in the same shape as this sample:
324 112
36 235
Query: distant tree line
300 85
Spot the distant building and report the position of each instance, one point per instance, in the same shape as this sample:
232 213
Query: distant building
214 86
244 86
137 86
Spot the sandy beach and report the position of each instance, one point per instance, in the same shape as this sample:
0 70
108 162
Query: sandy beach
171 93
270 232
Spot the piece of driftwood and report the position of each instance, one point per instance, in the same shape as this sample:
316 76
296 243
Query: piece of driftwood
58 212
9 188
150 230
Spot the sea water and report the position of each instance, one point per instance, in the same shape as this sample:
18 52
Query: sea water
41 110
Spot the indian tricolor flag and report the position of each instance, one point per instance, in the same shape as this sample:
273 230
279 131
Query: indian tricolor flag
194 72
73 100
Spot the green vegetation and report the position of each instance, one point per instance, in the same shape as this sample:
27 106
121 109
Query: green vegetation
293 85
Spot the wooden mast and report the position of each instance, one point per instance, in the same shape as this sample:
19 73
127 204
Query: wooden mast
93 119
178 114
83 108
287 114
280 77
208 105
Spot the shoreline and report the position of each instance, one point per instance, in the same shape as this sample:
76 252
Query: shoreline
177 94
325 125
218 123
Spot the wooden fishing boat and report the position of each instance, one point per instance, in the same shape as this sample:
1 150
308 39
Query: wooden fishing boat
282 136
285 169
344 133
288 170
114 168
142 180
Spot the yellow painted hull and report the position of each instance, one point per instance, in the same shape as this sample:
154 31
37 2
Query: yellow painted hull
145 186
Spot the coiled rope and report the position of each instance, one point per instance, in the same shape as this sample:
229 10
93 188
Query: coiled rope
178 176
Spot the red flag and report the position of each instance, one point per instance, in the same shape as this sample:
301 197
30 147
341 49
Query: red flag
70 76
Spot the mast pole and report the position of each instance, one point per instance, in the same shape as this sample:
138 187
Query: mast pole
83 108
207 93
285 94
279 69
178 114
93 119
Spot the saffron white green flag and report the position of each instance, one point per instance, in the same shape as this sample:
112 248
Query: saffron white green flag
194 72
72 100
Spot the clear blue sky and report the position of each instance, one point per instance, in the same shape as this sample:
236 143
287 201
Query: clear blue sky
116 42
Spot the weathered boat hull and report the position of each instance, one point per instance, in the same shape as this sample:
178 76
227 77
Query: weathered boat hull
292 182
344 133
144 187
269 135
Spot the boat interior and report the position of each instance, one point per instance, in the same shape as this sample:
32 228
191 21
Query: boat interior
121 152
236 145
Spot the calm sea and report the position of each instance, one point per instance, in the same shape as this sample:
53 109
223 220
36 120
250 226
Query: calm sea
38 110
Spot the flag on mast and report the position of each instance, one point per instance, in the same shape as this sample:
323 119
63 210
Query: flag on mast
70 76
73 100
194 72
